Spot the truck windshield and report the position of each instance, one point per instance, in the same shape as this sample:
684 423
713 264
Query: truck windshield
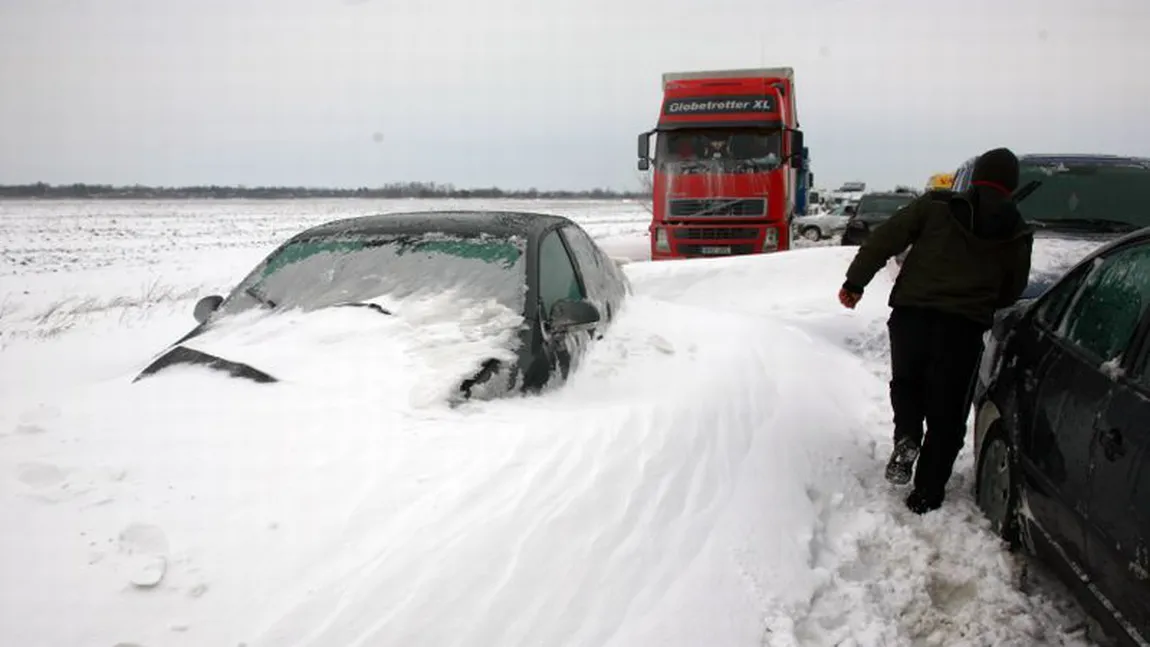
740 149
1082 195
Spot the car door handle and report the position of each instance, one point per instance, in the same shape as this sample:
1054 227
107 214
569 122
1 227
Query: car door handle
1029 382
1112 446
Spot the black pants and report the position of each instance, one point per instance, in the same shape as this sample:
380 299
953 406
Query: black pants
934 361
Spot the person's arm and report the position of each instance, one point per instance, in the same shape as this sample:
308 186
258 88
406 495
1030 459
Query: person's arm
886 241
1017 275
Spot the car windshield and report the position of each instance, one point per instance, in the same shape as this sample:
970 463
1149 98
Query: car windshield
1081 193
884 205
738 149
353 268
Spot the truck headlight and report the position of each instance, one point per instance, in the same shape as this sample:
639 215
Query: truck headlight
662 242
771 240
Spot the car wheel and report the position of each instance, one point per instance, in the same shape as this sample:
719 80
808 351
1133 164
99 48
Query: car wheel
996 486
811 233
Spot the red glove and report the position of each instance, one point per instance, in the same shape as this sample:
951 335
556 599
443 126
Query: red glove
848 299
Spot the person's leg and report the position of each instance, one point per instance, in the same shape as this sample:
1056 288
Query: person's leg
910 337
955 353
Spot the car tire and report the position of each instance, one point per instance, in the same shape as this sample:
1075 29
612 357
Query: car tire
811 233
996 485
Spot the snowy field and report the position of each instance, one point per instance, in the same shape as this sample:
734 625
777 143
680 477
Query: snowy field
712 475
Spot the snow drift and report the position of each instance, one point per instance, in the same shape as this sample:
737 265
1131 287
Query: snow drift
662 485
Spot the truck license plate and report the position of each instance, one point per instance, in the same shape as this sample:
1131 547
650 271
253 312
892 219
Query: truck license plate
714 251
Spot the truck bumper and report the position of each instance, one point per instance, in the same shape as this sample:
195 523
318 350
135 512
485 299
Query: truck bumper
711 240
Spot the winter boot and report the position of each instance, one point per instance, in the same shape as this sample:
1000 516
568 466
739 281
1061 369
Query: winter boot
921 503
901 464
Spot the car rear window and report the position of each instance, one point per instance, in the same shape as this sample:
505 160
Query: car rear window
1088 190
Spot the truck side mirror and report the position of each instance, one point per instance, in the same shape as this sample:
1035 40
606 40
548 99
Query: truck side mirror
644 148
796 147
644 164
810 179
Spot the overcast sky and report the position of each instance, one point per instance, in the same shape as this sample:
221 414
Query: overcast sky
544 93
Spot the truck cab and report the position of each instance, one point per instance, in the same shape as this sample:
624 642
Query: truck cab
727 163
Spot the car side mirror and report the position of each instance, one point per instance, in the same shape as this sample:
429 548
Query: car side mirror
568 314
1007 319
206 306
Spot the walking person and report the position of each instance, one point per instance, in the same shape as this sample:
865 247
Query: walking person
969 256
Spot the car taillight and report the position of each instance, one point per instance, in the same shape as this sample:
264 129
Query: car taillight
662 242
771 240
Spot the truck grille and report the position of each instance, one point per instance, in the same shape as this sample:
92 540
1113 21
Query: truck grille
715 233
718 208
697 250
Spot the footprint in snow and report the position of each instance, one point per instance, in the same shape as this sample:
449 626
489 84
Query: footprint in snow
40 475
145 549
661 344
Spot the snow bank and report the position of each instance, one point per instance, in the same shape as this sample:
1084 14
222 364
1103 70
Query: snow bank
665 485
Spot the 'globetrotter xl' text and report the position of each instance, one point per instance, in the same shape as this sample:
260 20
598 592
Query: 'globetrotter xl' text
703 106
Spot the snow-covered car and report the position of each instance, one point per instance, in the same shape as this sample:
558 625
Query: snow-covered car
827 224
549 290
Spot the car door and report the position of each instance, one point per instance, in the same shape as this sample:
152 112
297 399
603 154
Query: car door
1055 389
1093 335
1120 435
558 280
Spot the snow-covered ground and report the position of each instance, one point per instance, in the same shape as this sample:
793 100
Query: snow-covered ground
712 474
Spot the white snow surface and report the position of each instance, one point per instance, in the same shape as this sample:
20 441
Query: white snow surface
711 474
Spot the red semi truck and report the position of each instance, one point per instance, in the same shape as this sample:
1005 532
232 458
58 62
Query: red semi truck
726 164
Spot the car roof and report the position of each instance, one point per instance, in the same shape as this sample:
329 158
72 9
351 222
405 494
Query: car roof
1048 158
496 223
889 194
1075 158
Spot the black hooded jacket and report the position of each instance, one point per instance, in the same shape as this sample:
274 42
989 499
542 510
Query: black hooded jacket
969 252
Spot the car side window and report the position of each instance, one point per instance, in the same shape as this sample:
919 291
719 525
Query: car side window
590 263
1053 306
1103 317
557 279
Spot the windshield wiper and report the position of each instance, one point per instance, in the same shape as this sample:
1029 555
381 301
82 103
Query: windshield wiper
366 304
1088 224
252 292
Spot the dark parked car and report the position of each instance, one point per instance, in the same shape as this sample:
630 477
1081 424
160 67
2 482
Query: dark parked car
1062 431
543 266
872 210
1090 199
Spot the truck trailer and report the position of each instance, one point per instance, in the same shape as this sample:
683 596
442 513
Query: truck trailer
727 162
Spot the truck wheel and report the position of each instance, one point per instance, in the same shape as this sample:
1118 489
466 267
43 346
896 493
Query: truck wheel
996 485
811 233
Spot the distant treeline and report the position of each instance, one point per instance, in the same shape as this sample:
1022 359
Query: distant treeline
396 190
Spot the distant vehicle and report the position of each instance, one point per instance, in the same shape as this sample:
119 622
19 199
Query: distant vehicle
820 226
545 267
1089 198
1062 428
728 162
873 210
940 181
